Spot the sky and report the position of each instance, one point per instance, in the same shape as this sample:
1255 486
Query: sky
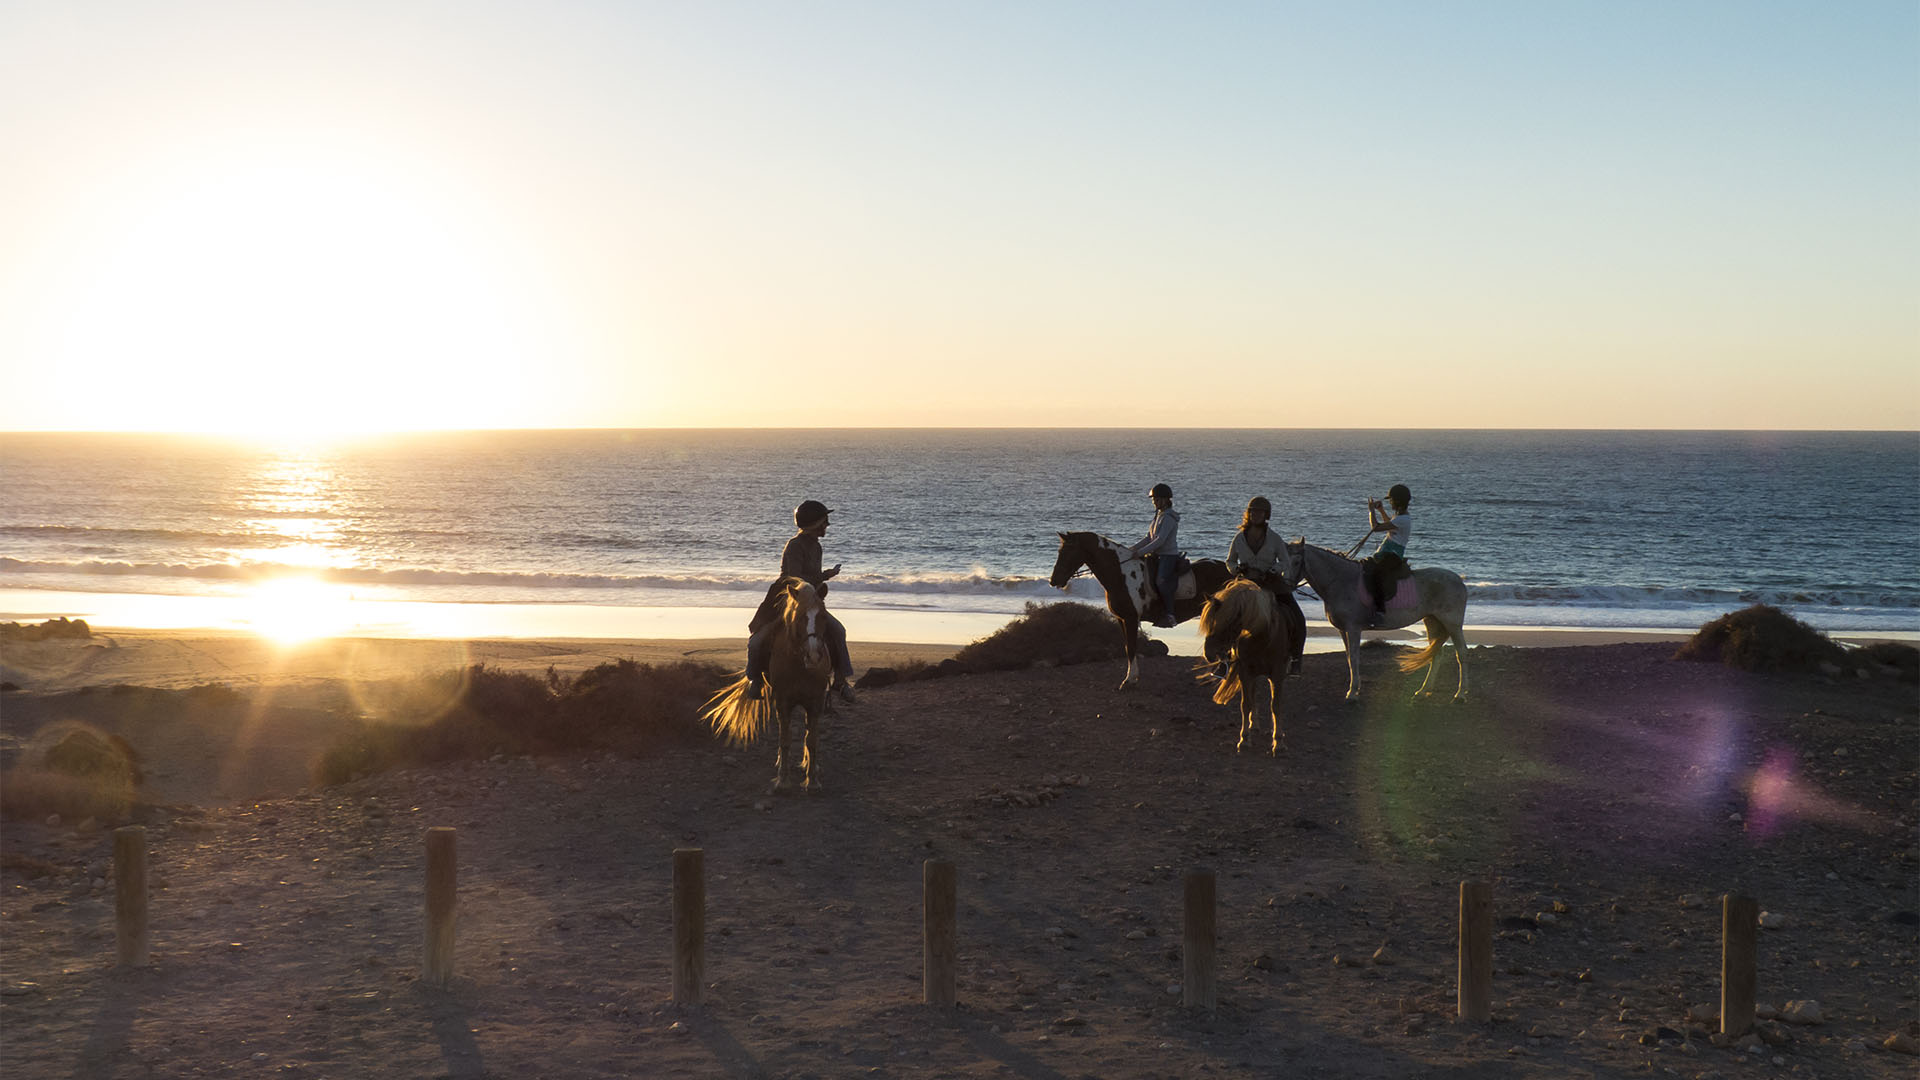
364 215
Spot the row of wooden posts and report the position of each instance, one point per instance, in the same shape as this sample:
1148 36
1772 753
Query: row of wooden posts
1198 988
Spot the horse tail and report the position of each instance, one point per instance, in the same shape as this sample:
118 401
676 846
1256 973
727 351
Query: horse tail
1436 637
1232 683
734 718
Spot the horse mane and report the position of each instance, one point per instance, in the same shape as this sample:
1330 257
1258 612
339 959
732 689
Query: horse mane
1242 605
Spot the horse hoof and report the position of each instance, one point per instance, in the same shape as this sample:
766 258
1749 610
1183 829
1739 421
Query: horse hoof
781 786
815 787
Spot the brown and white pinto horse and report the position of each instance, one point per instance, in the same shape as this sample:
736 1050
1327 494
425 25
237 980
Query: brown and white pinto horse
1124 577
799 667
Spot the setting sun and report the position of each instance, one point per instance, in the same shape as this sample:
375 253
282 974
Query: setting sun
293 610
291 293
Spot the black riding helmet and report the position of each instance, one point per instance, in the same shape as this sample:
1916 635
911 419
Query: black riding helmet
1160 491
1398 495
809 513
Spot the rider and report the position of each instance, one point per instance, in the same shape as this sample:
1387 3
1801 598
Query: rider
1389 561
801 559
1162 540
1259 555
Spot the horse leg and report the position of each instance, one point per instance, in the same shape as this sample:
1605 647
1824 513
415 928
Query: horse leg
1459 661
1274 686
1131 630
783 758
1436 634
1246 714
811 753
1351 639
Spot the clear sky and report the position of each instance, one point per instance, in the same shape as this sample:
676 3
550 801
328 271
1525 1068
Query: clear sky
376 214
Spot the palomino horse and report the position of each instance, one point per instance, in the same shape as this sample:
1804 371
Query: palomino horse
799 667
1437 596
1242 626
1124 576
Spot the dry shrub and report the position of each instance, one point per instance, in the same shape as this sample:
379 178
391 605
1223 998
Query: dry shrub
1763 638
75 771
1064 632
51 630
1903 659
480 712
29 793
1048 635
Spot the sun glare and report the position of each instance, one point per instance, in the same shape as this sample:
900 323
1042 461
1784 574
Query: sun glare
293 610
295 297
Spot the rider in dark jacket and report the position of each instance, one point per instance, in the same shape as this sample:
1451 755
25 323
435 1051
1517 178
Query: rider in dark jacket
801 558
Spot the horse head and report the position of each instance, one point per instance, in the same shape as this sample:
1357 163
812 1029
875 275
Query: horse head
1072 557
805 617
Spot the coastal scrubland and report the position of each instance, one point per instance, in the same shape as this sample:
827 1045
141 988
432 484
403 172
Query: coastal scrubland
1610 793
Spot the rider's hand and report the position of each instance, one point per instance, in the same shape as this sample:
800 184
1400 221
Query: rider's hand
832 572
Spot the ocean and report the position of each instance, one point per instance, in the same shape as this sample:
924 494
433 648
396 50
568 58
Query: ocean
1562 529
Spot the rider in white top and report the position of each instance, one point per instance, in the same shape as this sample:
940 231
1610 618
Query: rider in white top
1259 554
1389 561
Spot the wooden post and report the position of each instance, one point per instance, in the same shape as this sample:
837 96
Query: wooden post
1476 951
442 882
1197 941
1739 962
941 951
689 925
130 895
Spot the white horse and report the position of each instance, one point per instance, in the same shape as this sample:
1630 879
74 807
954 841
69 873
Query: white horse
1437 596
1129 591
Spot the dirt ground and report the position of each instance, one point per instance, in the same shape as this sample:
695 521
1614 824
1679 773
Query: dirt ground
1609 794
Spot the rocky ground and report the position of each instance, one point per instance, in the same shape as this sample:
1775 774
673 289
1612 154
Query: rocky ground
1609 794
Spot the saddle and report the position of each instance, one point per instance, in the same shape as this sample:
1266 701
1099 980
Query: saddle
1185 588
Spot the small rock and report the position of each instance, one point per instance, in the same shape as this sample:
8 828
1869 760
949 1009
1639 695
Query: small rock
1772 920
1382 957
1806 1011
1901 1043
1546 918
53 821
1173 989
1693 900
1772 1033
1854 1046
1136 935
1763 1011
1703 1013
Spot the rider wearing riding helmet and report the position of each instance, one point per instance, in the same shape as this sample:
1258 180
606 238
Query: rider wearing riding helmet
1259 555
1388 562
1162 539
801 558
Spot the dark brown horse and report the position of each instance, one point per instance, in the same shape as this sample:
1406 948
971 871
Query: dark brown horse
1242 627
1124 577
799 668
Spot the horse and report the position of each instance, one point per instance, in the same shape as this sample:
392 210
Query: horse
799 669
1124 577
1243 627
1437 596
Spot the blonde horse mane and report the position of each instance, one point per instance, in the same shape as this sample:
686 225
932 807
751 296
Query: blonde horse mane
738 720
1242 610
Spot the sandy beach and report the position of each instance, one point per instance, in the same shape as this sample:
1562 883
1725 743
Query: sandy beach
1609 793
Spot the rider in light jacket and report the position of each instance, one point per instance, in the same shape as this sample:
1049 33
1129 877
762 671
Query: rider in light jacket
1162 539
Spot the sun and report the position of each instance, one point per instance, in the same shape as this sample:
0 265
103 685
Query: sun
292 293
291 610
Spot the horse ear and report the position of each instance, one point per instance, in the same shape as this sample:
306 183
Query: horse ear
1063 536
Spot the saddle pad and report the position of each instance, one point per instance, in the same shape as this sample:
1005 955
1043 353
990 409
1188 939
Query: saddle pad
1406 596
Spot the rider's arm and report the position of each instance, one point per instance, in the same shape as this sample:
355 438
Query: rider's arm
1235 561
